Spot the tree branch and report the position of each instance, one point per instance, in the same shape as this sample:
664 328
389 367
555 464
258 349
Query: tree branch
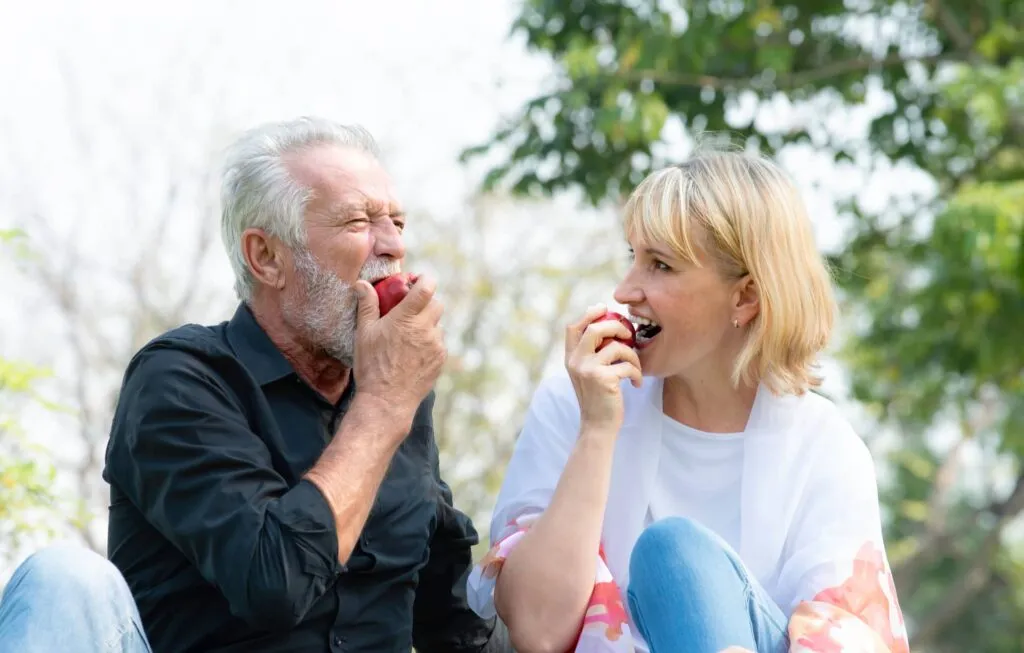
945 19
58 282
936 540
783 82
962 592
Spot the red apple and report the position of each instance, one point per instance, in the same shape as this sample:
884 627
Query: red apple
391 290
612 315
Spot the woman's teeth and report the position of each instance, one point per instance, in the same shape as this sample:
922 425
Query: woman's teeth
645 329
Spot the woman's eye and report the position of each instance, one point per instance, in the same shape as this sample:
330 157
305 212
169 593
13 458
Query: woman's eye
658 265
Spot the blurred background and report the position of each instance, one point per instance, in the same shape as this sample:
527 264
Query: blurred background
514 129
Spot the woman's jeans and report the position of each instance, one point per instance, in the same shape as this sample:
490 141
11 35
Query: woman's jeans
688 591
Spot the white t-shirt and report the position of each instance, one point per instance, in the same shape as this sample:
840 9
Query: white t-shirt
699 477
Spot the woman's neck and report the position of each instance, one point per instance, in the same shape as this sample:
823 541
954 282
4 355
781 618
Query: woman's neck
709 405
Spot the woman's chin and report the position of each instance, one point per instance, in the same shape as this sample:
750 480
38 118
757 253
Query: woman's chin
650 363
656 361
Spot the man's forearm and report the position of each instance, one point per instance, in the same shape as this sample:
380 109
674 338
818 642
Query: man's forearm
351 468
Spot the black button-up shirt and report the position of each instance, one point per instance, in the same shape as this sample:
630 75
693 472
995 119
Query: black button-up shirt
227 549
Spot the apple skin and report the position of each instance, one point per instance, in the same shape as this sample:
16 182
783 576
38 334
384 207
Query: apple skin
391 290
612 315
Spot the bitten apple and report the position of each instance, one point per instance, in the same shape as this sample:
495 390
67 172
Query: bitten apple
391 290
612 315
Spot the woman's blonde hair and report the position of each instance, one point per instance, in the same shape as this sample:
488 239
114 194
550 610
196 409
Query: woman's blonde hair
747 215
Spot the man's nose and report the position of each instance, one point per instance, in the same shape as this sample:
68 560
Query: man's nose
389 241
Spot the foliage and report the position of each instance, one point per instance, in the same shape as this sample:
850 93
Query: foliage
26 481
508 288
27 499
933 284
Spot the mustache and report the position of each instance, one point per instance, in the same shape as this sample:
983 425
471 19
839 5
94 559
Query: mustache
379 268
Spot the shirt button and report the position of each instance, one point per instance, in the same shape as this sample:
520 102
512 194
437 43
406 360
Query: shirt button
337 641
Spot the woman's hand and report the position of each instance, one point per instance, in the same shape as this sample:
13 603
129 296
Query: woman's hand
597 375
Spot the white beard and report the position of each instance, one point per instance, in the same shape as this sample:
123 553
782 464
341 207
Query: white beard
326 314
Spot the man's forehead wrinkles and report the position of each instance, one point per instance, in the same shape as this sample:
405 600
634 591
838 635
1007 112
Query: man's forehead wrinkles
366 204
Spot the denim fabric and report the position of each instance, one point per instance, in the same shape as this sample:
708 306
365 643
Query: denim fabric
689 592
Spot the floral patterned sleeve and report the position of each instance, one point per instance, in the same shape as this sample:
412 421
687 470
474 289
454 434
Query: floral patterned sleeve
605 627
861 614
843 598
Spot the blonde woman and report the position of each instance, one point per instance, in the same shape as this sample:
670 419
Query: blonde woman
691 493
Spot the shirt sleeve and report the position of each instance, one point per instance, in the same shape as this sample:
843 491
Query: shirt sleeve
442 618
545 442
184 455
542 450
835 570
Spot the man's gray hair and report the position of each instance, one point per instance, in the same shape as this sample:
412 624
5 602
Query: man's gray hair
257 190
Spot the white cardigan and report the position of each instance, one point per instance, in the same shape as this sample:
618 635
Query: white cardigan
809 501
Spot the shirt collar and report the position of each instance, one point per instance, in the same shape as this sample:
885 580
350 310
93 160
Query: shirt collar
255 349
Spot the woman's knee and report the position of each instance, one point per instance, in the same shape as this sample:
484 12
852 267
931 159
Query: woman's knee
683 548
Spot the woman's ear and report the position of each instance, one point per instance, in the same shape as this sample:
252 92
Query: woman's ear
746 302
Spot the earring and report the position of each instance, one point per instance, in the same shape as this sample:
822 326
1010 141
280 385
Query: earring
736 323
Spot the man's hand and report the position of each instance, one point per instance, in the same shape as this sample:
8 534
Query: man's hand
399 357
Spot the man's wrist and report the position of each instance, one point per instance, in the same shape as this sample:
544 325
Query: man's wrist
375 414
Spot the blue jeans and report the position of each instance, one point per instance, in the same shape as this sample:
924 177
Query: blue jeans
71 600
688 591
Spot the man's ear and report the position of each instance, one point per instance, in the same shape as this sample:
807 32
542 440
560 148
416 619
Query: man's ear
265 257
746 300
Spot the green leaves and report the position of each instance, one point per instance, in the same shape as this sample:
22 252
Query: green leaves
26 476
30 506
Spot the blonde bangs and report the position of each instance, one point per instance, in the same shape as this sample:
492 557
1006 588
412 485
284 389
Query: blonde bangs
747 216
658 212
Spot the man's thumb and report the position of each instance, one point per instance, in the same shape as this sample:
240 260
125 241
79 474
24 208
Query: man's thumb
369 307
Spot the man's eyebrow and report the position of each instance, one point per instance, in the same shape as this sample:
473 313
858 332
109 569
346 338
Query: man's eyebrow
375 207
382 207
372 208
343 208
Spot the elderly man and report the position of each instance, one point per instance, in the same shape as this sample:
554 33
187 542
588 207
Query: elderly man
274 478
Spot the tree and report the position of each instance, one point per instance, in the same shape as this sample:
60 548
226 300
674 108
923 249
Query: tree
509 289
933 283
29 507
108 291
